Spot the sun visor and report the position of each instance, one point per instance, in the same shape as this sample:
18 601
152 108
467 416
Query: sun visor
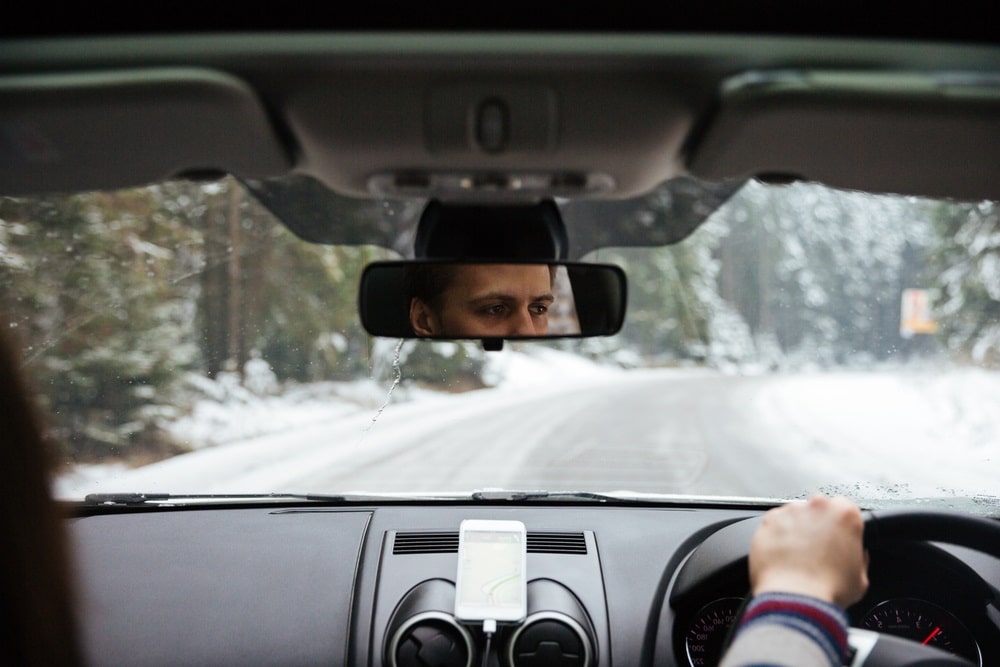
934 134
130 127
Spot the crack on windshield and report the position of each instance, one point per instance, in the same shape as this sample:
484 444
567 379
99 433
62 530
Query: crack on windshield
397 376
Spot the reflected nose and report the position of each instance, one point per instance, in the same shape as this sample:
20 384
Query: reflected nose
523 324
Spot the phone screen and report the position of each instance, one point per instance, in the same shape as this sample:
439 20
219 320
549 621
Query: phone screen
491 577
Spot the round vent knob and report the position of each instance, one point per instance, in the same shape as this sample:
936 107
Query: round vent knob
549 638
431 639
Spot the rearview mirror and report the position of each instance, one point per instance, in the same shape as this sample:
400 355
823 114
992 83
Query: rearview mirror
491 300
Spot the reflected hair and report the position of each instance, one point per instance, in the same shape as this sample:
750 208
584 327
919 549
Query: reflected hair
427 282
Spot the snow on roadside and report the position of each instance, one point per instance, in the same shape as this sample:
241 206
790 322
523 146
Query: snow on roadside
897 434
225 413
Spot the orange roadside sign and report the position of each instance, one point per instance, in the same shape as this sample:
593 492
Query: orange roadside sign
915 315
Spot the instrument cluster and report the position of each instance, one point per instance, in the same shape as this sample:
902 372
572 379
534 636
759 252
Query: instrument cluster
917 591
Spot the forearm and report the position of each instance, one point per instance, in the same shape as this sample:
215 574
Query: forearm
779 629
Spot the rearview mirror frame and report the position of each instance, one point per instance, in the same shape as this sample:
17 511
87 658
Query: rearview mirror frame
590 299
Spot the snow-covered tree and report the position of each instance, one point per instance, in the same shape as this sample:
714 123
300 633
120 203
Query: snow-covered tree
968 263
103 322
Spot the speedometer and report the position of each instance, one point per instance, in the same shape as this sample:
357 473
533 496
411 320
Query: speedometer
923 622
706 636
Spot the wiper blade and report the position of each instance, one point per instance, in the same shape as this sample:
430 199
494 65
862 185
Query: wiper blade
123 498
137 499
504 494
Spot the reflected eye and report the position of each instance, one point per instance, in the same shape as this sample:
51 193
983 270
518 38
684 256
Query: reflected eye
539 308
494 310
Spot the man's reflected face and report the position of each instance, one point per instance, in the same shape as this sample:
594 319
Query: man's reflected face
488 301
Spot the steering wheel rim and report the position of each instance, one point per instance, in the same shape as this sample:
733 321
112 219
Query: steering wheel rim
956 528
726 551
873 649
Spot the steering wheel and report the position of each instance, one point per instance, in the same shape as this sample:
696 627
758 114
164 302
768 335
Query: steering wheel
873 649
725 550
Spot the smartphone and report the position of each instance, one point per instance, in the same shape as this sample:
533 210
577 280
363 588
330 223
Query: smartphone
491 581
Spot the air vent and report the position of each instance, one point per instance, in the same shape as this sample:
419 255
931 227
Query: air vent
425 543
557 543
431 638
447 542
549 638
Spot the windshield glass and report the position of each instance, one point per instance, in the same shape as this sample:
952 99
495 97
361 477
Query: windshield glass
183 341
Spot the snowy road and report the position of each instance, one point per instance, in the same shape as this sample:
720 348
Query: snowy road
645 431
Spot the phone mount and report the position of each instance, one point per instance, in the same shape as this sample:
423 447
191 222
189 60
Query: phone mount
423 630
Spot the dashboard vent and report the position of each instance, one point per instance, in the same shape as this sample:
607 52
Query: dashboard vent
557 543
425 543
447 543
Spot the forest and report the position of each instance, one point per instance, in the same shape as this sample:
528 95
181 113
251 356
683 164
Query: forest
121 299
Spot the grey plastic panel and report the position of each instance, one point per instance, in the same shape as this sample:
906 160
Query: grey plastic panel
109 129
218 587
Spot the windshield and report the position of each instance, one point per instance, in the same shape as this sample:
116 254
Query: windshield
182 340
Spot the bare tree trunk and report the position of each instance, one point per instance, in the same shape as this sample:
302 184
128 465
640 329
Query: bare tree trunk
236 354
213 301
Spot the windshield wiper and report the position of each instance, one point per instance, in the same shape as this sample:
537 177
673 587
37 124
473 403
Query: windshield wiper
504 494
137 499
156 499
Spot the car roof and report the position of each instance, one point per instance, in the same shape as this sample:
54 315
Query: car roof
517 113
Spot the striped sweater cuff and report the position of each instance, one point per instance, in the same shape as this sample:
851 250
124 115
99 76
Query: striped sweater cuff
822 621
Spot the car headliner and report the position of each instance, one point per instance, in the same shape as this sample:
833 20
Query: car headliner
589 116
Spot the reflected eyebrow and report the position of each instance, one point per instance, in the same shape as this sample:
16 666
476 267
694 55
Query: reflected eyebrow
501 296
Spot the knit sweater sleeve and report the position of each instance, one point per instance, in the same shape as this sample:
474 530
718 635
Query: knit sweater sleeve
787 630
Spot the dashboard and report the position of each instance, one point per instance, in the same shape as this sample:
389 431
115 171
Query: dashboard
308 584
935 594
